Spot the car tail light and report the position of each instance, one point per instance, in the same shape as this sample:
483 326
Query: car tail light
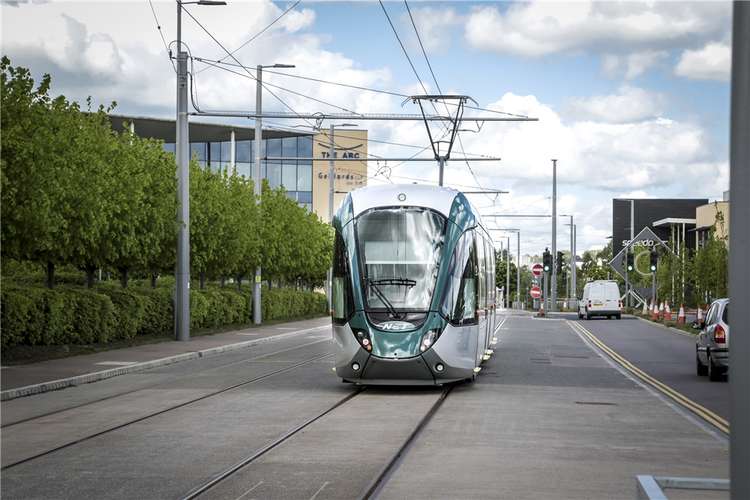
619 304
720 335
589 303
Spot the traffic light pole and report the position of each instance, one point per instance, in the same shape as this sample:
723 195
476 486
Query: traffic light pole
627 278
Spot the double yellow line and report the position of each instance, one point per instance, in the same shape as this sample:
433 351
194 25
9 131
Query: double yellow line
703 412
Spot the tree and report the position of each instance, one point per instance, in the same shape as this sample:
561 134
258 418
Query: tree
54 170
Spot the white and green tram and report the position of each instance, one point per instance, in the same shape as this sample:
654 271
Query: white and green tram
413 291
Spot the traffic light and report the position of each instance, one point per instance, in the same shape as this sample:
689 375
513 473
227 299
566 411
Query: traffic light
547 260
654 260
560 262
630 259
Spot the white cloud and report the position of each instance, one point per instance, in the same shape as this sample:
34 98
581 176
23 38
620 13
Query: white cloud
542 28
712 62
434 25
112 51
650 156
639 62
629 104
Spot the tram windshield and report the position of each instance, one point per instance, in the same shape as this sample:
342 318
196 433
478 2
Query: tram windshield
400 251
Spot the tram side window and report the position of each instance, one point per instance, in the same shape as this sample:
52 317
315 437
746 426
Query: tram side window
490 273
342 303
482 258
460 300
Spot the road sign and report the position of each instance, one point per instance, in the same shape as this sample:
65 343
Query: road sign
535 292
537 269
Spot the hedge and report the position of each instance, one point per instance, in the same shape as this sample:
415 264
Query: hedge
34 315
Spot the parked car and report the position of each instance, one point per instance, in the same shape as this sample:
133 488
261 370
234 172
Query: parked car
712 346
600 298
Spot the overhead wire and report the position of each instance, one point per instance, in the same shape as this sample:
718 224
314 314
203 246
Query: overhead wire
406 54
437 85
360 87
231 54
268 26
161 34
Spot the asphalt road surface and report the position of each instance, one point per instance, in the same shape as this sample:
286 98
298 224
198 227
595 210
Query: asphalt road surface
664 354
548 417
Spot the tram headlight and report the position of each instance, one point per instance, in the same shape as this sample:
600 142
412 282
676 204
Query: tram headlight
364 339
428 339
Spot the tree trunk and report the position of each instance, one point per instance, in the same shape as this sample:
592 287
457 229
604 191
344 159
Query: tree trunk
223 281
202 280
238 278
123 276
50 274
90 270
154 276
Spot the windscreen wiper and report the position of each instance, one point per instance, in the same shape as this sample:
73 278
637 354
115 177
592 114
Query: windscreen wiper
394 281
387 303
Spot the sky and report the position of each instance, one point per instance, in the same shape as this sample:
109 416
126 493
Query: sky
632 97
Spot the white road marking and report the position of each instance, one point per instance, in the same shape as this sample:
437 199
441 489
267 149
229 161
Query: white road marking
248 491
321 489
116 363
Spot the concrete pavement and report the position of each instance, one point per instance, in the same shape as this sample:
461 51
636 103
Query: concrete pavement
550 418
128 360
547 418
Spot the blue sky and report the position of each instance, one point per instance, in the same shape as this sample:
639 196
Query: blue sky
632 97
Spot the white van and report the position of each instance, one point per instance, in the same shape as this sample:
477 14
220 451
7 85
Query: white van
600 298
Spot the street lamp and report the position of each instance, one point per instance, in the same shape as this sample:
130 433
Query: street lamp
257 313
182 157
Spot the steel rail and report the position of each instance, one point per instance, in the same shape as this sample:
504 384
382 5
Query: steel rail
167 380
376 485
229 471
165 410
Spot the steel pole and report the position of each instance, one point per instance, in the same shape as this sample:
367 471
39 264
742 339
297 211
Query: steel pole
574 269
632 235
331 187
441 166
553 279
571 292
257 309
739 242
507 273
518 269
182 155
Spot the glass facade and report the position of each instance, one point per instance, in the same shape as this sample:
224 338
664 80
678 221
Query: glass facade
294 175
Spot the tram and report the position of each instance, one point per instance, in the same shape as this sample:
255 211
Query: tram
413 296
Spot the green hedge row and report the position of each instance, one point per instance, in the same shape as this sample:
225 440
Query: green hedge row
34 315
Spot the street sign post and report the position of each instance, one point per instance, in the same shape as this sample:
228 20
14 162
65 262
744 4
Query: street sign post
537 270
535 292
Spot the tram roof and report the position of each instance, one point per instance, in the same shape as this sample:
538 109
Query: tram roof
436 198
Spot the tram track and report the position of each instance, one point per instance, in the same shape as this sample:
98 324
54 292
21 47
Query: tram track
375 486
155 385
166 410
229 471
372 489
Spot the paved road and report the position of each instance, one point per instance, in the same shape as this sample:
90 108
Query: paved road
547 418
664 354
